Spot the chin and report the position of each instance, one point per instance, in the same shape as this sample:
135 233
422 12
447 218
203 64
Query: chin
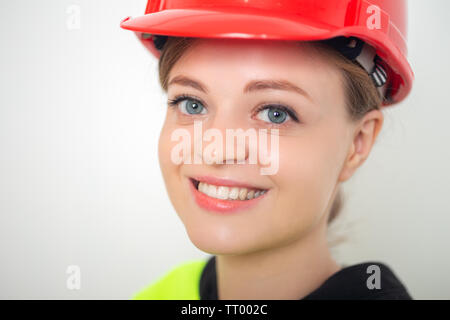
220 241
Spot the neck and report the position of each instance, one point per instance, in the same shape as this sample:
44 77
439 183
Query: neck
288 272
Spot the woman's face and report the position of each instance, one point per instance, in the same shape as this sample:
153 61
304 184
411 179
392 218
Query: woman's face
311 150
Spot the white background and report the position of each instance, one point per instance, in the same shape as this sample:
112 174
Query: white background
80 114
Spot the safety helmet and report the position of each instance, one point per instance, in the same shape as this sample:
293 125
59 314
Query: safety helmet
371 32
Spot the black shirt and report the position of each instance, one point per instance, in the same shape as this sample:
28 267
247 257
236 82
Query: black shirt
348 283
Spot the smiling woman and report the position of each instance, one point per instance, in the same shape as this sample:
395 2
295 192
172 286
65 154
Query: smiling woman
267 234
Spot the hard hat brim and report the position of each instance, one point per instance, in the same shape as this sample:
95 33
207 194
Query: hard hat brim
227 23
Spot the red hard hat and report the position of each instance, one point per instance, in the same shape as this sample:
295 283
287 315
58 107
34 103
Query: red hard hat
379 25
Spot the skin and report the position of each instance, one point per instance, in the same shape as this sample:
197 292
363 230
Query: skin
279 247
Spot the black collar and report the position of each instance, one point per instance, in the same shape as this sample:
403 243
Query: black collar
348 283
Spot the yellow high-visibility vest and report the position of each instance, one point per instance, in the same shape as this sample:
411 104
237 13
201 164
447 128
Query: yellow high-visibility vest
180 283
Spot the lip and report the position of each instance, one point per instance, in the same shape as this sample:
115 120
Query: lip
223 206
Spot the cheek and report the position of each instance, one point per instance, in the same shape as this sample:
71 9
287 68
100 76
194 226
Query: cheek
172 172
164 147
169 169
172 137
306 178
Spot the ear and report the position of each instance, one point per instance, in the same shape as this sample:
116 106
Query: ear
364 137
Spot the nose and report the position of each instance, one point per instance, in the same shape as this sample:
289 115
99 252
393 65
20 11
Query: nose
223 142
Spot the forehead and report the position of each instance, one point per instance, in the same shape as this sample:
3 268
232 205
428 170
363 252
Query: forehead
231 63
262 53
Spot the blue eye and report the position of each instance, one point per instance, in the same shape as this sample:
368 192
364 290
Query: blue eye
273 114
189 105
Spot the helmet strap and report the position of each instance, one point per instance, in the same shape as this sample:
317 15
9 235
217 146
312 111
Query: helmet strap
365 55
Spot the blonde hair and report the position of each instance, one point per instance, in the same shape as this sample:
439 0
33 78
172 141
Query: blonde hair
360 92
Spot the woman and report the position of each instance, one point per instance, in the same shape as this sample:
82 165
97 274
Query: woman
303 76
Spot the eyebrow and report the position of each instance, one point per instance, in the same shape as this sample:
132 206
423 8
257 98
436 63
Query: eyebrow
251 86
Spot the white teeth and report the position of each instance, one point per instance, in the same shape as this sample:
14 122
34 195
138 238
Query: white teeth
234 193
231 193
222 192
243 193
212 190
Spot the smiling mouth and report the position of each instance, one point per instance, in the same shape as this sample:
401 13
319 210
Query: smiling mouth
227 192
